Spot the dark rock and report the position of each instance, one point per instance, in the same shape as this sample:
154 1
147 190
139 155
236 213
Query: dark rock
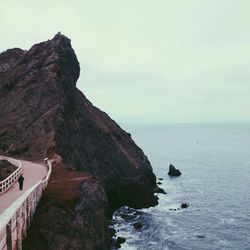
200 236
174 209
120 240
128 217
138 225
160 179
117 245
159 190
159 183
184 205
127 213
44 114
173 171
112 231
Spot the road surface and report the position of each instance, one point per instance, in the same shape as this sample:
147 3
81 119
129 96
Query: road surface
32 173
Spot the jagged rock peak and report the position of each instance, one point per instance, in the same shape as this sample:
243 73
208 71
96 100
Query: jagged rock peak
60 36
42 81
57 51
58 41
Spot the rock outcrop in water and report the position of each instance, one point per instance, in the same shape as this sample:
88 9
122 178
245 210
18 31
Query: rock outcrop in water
97 166
138 225
184 205
173 171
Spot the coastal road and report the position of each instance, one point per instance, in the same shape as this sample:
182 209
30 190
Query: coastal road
32 173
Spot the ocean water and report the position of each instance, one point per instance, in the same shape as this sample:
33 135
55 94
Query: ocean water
215 163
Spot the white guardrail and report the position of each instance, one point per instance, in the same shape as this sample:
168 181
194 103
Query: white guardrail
10 180
15 221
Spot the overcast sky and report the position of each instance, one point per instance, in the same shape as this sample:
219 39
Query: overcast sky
148 61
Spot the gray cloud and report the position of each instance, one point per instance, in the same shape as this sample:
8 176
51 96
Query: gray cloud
148 61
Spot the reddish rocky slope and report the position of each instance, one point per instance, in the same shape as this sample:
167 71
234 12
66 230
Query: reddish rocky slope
97 168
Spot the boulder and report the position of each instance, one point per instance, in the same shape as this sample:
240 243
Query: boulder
128 217
200 236
173 171
174 209
184 205
138 225
112 231
159 190
120 240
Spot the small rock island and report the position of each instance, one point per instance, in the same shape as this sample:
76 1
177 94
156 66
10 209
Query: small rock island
173 171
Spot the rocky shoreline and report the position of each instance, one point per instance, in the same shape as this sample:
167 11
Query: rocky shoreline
97 167
134 220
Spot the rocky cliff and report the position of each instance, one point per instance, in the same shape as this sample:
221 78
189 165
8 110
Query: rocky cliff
97 166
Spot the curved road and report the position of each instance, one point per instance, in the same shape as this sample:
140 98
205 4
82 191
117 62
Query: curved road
32 173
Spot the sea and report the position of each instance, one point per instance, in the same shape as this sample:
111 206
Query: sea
215 163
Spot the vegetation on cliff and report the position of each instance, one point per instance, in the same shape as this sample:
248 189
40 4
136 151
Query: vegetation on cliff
6 169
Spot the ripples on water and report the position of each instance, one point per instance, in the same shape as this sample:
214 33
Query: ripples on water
214 160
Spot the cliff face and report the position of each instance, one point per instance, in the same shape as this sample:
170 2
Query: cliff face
43 113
